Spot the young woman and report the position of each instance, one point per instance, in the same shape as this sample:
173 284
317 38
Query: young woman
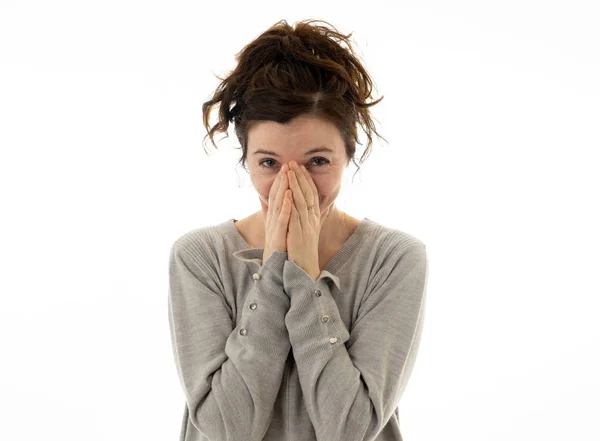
298 322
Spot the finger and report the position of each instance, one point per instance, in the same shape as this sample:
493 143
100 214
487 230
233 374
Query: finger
284 218
272 197
280 192
274 187
299 201
307 185
279 215
314 195
294 220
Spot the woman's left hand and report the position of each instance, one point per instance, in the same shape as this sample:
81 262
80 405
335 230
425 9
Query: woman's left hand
305 225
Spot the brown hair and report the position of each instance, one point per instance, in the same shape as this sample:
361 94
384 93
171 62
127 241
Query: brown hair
287 72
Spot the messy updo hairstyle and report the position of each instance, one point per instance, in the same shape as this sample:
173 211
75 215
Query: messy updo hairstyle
287 72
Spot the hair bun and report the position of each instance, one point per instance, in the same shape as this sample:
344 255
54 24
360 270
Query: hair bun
290 71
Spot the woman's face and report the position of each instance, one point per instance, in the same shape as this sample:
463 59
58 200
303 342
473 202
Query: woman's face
271 145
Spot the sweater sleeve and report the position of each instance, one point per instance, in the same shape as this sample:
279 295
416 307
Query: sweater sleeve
352 383
230 375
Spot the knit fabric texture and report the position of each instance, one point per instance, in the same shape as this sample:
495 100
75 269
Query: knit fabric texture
265 353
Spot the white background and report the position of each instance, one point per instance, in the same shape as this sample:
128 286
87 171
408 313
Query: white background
492 115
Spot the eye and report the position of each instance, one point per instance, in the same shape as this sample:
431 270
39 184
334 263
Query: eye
325 162
322 159
266 166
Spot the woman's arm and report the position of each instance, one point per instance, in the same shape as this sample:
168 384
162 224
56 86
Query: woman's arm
230 374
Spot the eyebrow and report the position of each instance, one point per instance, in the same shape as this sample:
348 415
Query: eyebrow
315 150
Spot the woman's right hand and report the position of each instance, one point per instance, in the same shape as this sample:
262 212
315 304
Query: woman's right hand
277 214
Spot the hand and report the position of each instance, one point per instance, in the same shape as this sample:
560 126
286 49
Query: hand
277 215
304 224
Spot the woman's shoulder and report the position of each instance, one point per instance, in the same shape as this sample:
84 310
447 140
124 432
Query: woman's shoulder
388 239
202 241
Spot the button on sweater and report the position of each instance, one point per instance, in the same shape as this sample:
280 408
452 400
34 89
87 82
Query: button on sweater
264 352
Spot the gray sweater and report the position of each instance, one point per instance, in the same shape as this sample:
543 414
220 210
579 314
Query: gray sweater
263 352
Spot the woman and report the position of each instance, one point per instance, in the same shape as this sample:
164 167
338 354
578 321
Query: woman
298 322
